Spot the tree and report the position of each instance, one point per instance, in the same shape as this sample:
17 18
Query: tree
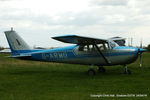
148 48
1 48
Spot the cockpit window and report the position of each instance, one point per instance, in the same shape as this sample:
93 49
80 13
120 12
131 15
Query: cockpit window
112 44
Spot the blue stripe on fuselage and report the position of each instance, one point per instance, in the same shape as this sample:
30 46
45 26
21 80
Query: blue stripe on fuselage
55 54
125 47
68 53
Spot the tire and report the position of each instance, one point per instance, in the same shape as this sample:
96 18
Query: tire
91 72
127 72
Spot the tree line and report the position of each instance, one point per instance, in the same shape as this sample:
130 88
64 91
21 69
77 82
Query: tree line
148 48
1 48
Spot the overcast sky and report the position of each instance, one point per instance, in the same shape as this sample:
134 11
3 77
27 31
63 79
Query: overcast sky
39 20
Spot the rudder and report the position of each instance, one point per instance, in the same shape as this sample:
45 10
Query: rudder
15 42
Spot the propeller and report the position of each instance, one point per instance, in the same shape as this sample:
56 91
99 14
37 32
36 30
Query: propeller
140 53
140 59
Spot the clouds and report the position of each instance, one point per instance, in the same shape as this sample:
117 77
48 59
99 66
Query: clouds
96 18
110 2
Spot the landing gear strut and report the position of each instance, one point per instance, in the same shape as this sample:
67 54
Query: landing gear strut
126 70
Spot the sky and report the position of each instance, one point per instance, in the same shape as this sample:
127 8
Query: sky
36 21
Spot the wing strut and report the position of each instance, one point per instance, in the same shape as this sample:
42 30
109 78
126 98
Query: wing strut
106 60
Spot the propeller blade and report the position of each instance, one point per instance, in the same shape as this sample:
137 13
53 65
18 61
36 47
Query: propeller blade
140 59
140 53
141 50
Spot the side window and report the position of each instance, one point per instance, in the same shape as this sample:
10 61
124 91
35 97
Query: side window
103 46
84 48
92 48
81 47
87 48
106 45
100 46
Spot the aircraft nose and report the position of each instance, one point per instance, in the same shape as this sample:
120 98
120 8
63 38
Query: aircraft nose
142 50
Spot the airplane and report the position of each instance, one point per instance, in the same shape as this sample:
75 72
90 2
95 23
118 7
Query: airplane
85 51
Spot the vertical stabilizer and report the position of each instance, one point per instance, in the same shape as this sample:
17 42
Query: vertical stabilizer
15 42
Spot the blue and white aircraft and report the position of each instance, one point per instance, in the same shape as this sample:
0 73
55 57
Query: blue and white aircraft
86 51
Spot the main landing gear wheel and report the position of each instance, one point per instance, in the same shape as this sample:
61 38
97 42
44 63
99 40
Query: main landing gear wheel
91 72
101 69
127 72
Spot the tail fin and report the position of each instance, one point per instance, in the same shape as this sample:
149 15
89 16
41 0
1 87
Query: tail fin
16 43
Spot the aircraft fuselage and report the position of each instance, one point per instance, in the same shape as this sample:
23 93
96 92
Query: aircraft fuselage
116 56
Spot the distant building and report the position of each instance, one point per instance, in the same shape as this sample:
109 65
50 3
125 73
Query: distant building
5 51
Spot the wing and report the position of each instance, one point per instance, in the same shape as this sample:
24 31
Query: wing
74 39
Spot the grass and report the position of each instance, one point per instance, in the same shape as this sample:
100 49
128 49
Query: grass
33 80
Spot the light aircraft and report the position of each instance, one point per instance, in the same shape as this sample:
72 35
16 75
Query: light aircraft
86 51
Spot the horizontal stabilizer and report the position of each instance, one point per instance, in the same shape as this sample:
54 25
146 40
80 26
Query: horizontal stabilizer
22 55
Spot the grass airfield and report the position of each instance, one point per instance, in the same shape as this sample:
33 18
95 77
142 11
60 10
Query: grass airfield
33 80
